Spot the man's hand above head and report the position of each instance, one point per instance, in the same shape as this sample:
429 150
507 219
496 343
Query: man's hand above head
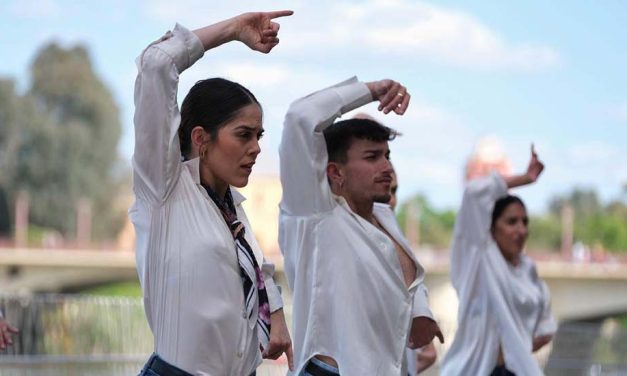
392 96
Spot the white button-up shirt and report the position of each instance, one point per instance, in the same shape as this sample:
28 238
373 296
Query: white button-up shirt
499 304
186 256
350 299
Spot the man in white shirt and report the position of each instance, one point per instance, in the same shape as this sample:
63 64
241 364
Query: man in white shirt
359 299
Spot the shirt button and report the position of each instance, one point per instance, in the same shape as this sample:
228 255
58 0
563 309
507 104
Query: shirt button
240 354
243 315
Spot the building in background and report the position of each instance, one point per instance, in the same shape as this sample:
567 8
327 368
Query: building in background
488 155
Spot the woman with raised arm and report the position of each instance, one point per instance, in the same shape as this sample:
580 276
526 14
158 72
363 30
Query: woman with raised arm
209 296
504 307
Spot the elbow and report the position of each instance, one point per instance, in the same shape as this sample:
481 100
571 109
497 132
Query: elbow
296 115
153 61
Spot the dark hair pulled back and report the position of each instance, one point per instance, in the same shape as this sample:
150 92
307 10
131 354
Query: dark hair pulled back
501 204
210 104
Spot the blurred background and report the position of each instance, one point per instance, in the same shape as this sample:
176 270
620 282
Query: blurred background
487 80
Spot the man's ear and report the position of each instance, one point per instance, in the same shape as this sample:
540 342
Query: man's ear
335 174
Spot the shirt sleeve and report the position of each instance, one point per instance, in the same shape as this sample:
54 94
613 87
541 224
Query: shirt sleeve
546 324
420 305
475 214
157 155
272 289
472 226
303 150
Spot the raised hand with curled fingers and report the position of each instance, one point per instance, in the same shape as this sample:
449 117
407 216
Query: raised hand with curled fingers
535 167
392 96
258 31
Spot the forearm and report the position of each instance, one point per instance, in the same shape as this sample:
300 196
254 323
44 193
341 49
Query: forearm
217 34
517 180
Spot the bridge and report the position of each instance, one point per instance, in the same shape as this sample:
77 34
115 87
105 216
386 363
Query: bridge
588 292
578 290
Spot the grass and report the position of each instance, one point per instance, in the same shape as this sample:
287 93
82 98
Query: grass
126 289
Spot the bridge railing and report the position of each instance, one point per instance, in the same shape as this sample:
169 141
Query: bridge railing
63 334
81 334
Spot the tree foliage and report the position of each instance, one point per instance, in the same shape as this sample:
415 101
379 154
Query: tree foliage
595 224
435 227
58 142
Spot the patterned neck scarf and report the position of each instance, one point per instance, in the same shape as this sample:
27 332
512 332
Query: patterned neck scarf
255 294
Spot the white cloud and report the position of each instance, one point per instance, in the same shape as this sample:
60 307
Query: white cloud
408 31
447 35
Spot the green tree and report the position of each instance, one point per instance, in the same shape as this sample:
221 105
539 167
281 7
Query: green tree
435 227
64 134
595 224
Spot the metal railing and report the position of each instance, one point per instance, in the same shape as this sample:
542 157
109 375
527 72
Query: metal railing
90 335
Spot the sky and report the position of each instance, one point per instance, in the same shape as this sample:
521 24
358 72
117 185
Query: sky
551 73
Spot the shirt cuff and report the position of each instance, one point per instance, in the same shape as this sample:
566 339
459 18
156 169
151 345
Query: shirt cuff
420 306
195 49
352 94
547 327
274 295
181 45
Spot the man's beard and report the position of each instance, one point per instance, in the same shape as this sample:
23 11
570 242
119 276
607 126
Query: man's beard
383 198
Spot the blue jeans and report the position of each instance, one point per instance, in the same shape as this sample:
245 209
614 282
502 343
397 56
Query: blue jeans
320 365
155 366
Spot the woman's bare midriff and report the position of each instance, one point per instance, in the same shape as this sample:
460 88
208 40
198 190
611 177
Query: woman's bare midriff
327 359
500 361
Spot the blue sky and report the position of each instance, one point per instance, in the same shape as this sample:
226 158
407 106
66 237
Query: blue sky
545 72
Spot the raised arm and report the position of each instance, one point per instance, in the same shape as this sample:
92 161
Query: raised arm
472 226
475 214
157 156
303 149
534 169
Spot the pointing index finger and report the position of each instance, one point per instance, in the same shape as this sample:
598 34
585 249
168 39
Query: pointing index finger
280 13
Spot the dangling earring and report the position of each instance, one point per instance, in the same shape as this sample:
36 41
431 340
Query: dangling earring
342 184
202 152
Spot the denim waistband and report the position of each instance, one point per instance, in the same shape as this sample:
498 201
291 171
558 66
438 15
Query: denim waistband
163 368
316 367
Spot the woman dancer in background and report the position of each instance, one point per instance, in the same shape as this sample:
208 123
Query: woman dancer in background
504 307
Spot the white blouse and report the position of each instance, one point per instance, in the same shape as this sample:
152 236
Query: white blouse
499 304
350 299
186 257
